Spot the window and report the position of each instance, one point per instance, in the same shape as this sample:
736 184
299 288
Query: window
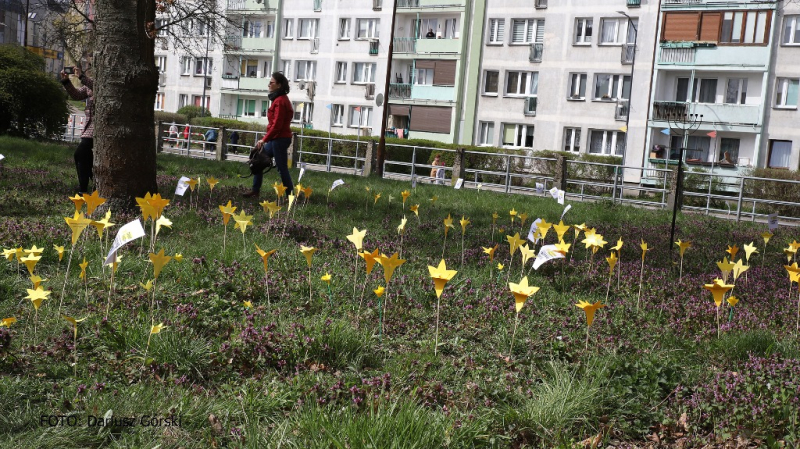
360 116
522 83
730 146
337 113
183 100
490 79
161 63
486 133
303 112
200 27
344 28
159 101
266 72
306 71
607 142
249 68
611 87
341 72
286 66
249 108
307 28
736 93
527 31
252 28
363 72
791 30
496 30
744 27
612 31
779 152
202 66
270 30
703 90
517 135
697 147
572 140
264 107
583 31
786 93
186 65
423 77
288 28
368 28
161 26
450 28
577 86
428 28
197 101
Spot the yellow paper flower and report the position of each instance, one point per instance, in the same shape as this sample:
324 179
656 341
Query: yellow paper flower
36 281
30 262
732 250
145 207
725 267
157 204
163 221
92 202
612 262
766 236
415 209
7 322
11 253
749 250
37 295
523 217
522 292
527 253
401 229
738 269
794 245
307 192
433 199
148 286
159 260
494 218
464 222
33 250
405 194
83 269
594 241
448 223
490 252
789 252
308 251
192 183
590 309
265 256
379 291
247 304
242 221
157 328
578 229
77 224
543 227
512 213
389 264
794 272
270 207
376 196
644 249
440 275
280 189
514 242
118 259
732 300
683 246
74 323
212 182
562 247
78 201
718 289
370 258
178 257
357 238
59 250
102 225
561 229
500 267
292 198
227 212
326 278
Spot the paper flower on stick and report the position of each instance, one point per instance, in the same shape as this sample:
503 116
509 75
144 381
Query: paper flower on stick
561 229
77 224
738 269
145 207
725 267
526 253
212 182
297 189
280 189
789 252
178 257
102 225
644 249
59 250
30 262
523 217
37 295
590 309
448 223
522 292
794 273
163 221
7 322
683 246
563 247
490 252
265 256
36 281
357 238
159 260
513 214
594 241
415 209
270 207
514 242
227 212
718 288
148 286
74 323
292 199
732 300
500 267
494 218
118 259
247 304
326 278
11 253
83 269
379 291
78 201
766 236
389 264
401 229
405 194
370 258
464 222
242 221
732 250
618 246
794 245
376 196
440 275
749 250
308 251
156 329
543 227
92 202
157 204
33 250
307 192
612 262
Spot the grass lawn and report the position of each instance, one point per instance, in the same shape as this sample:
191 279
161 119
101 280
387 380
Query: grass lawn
312 366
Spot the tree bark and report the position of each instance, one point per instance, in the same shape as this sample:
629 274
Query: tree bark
126 82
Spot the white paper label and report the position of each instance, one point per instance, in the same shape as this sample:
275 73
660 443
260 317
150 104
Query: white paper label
459 183
773 222
546 254
561 196
532 231
300 176
2 157
414 182
539 188
566 209
554 193
183 184
125 234
336 183
479 186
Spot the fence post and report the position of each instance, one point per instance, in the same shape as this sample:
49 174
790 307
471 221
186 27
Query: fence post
508 172
328 161
222 137
370 159
674 195
739 201
159 139
560 176
290 150
614 190
459 170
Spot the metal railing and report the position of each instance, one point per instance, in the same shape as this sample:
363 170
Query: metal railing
405 45
537 50
328 154
664 110
622 109
374 46
317 5
530 106
628 52
399 90
408 3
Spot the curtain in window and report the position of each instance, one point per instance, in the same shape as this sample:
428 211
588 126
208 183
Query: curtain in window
791 95
534 83
708 91
508 134
779 156
731 146
697 147
609 31
540 31
518 31
596 142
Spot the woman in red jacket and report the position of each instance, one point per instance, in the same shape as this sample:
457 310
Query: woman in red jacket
279 135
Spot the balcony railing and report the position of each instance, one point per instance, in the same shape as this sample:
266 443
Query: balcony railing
233 43
408 3
235 5
530 106
369 91
665 110
628 52
683 2
537 49
634 3
314 45
399 91
405 45
317 5
622 109
377 5
677 55
374 45
541 4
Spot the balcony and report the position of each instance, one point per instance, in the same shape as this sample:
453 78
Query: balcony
709 54
248 45
537 49
748 116
247 5
369 91
628 54
664 110
405 45
530 106
622 109
541 4
428 92
408 3
230 82
232 43
261 84
634 3
374 45
377 5
452 46
399 91
317 5
314 42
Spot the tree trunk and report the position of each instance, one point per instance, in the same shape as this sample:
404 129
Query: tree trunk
125 87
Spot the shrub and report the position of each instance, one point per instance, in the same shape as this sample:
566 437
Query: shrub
169 117
193 111
774 190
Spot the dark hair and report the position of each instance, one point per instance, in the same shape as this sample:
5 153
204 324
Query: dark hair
281 79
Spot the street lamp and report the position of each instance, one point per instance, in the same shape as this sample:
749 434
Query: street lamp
687 123
630 94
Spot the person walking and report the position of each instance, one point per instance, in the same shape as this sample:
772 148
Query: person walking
279 134
84 156
173 135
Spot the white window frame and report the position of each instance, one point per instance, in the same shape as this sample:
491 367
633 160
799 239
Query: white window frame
246 109
183 100
266 71
269 28
791 30
771 156
423 77
366 117
200 27
572 139
740 85
252 28
337 115
159 106
344 28
161 64
611 93
496 31
206 66
311 27
250 66
304 114
575 93
620 31
288 28
485 134
287 68
341 73
582 24
208 101
530 28
364 70
610 142
525 86
781 93
186 65
520 132
497 83
305 70
161 27
371 28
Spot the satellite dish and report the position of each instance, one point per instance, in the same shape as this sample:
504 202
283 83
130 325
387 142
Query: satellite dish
379 100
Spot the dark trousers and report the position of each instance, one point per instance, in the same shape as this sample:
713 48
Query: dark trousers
277 149
84 158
